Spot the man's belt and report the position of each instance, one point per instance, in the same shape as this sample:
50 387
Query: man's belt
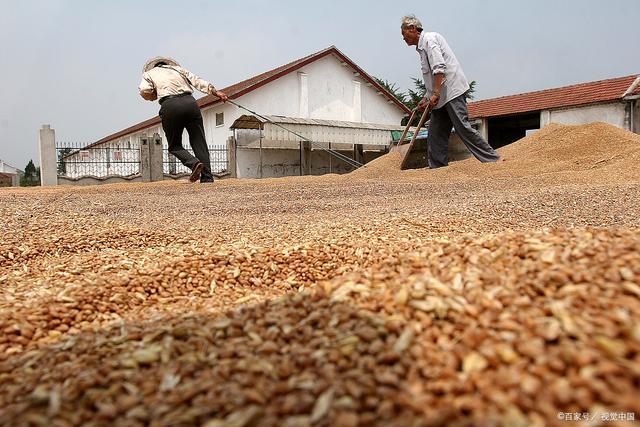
164 98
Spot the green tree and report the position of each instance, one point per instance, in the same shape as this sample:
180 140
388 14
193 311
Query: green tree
412 97
393 89
472 90
31 177
416 94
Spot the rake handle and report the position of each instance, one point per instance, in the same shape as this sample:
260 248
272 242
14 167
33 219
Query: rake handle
420 124
406 128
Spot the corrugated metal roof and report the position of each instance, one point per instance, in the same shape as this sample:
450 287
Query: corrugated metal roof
253 122
294 129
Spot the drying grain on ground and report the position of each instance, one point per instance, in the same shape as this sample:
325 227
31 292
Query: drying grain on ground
479 294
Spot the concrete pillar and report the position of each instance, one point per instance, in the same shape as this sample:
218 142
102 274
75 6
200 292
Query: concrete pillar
358 153
231 157
173 165
261 160
305 158
48 156
357 102
145 159
155 158
545 118
303 91
483 128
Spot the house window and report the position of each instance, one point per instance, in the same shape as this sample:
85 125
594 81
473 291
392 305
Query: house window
219 119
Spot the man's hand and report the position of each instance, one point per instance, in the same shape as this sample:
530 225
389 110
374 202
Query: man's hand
433 101
149 96
223 96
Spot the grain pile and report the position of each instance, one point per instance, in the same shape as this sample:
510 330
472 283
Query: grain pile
586 153
491 297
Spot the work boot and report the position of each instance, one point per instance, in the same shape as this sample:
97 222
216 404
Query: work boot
195 173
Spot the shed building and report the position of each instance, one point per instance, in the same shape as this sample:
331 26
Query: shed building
507 119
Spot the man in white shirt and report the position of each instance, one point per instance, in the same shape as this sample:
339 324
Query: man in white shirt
446 86
172 85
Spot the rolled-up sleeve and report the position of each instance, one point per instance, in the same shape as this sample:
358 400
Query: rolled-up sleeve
198 83
436 59
146 85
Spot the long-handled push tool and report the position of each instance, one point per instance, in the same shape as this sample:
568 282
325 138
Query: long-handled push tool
411 156
334 153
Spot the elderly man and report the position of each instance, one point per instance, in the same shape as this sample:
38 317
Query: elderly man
446 86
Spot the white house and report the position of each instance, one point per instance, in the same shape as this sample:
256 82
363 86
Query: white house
326 85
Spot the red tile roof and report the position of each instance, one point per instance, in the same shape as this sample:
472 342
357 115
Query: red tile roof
568 96
249 85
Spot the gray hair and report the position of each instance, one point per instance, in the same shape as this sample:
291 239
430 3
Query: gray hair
411 21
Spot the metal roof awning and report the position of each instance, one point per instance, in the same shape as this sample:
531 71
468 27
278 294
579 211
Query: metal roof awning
317 130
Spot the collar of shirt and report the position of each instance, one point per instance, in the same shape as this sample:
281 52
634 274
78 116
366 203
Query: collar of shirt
420 41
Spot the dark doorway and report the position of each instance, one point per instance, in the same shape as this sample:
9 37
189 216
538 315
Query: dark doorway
505 130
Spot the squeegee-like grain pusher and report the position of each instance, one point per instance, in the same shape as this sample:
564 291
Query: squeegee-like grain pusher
414 153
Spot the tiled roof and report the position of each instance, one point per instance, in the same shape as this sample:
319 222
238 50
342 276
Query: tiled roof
246 86
568 96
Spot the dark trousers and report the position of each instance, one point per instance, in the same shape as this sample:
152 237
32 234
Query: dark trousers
180 113
454 114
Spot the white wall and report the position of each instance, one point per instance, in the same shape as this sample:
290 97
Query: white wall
275 162
286 162
612 113
331 95
636 116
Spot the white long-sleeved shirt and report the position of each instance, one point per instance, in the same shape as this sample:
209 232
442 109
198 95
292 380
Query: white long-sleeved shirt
171 80
436 57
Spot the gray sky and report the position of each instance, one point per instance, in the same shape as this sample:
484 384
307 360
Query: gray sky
76 64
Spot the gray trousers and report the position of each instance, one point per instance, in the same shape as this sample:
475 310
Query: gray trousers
454 115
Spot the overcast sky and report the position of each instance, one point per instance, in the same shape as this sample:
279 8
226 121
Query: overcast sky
76 64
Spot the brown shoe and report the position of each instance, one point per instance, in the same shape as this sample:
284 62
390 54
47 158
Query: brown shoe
195 174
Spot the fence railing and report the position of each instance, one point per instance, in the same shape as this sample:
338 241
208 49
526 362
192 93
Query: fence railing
217 155
76 160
